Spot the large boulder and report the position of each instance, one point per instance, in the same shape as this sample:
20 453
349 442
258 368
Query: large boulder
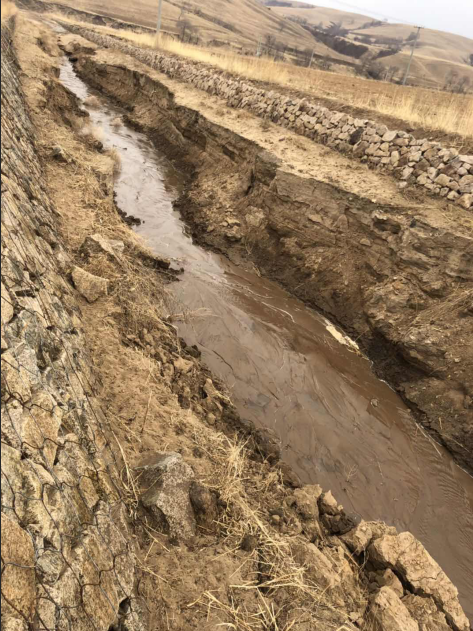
358 538
425 611
404 554
96 244
389 612
90 286
166 481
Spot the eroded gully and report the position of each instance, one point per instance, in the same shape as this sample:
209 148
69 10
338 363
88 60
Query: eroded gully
290 370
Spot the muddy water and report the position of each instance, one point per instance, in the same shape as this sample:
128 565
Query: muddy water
338 424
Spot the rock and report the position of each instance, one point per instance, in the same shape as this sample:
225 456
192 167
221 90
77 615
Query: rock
97 244
7 313
341 523
328 504
385 222
358 538
389 579
50 566
289 476
319 568
34 427
365 242
18 574
204 503
59 154
442 180
90 286
466 183
389 136
233 222
411 561
426 613
389 612
466 201
305 500
19 372
166 480
467 159
7 306
210 390
183 365
379 528
249 543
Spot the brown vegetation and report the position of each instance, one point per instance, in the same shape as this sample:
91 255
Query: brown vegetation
436 110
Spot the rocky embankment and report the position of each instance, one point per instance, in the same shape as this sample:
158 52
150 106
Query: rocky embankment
133 496
66 553
439 170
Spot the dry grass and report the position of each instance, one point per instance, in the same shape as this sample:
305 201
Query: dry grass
117 122
430 109
8 9
92 132
92 101
247 497
117 160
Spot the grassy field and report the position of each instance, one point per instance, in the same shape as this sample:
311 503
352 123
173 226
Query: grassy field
435 110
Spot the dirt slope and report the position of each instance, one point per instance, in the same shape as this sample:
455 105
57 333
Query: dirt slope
241 23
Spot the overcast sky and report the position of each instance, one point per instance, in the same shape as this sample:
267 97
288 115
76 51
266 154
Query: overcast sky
455 16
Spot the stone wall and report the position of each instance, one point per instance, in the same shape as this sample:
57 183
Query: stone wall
439 170
66 558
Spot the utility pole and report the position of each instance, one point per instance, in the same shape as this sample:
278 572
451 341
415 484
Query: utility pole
258 50
311 57
412 55
158 26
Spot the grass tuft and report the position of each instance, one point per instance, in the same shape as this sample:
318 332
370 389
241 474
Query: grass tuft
92 101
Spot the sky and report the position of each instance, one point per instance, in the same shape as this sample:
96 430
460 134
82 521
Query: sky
444 15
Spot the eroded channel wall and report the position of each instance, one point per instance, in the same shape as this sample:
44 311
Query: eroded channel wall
440 170
66 557
402 267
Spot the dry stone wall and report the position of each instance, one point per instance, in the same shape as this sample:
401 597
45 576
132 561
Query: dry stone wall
437 169
66 557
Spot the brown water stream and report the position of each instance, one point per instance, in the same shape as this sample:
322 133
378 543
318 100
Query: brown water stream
339 425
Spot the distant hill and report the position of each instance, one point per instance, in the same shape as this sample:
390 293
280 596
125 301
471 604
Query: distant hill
239 23
438 55
295 29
